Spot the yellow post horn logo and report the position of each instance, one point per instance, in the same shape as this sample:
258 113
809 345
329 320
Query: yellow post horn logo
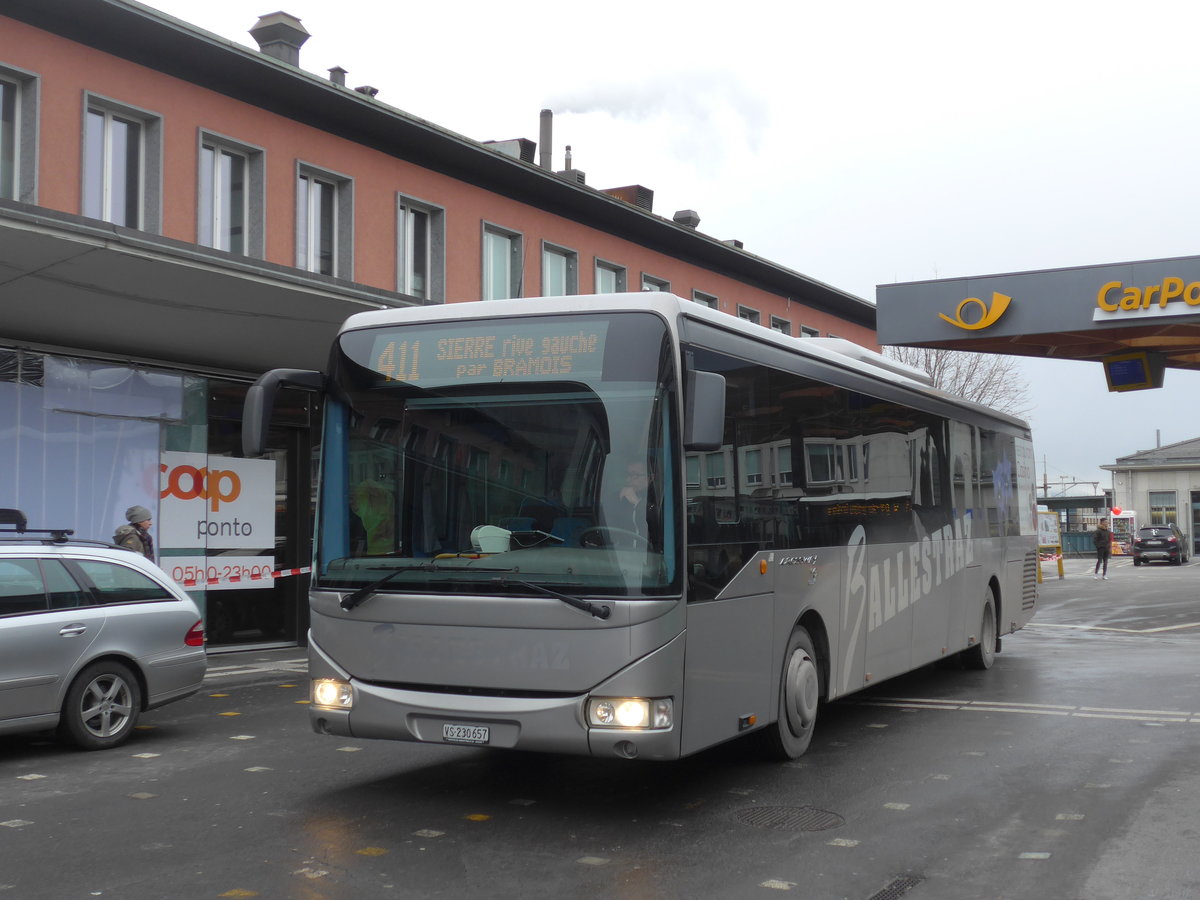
989 316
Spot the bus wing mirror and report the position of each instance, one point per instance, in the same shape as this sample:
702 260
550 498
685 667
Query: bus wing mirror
260 400
704 411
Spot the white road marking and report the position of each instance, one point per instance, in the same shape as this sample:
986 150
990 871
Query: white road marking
1034 626
293 666
1148 716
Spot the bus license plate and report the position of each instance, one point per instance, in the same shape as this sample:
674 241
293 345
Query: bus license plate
466 734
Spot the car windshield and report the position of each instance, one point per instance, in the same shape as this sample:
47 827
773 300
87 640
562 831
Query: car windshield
473 456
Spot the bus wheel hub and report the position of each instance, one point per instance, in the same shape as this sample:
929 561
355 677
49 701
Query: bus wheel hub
801 691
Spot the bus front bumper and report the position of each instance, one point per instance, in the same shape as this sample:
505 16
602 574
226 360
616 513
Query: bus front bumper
539 724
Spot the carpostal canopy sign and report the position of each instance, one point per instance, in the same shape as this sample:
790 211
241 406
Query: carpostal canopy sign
1090 313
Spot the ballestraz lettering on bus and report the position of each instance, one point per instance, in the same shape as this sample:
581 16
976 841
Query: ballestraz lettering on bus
899 581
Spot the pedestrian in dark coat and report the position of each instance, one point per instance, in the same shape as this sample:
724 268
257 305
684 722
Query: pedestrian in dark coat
1102 538
135 536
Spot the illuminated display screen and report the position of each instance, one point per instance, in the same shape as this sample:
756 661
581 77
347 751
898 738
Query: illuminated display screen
1128 372
1133 371
507 350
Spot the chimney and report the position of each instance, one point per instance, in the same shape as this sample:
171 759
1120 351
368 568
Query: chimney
734 243
546 151
280 35
570 173
367 90
338 76
688 217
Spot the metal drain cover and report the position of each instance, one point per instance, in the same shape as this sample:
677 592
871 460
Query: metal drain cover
790 818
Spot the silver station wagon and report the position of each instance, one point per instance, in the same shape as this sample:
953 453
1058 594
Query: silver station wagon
91 635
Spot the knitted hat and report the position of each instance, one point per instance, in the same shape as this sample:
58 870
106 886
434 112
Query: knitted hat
138 514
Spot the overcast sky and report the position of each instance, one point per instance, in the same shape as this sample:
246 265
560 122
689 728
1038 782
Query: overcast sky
858 143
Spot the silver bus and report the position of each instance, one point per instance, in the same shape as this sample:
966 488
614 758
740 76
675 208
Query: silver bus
628 525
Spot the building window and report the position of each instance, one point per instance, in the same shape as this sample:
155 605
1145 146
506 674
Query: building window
230 207
18 135
783 462
1162 508
8 139
748 314
752 466
692 465
805 331
324 222
502 257
421 249
822 462
610 278
651 283
122 165
714 470
709 300
560 271
783 326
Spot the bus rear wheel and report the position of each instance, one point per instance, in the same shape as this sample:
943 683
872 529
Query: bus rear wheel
799 699
983 654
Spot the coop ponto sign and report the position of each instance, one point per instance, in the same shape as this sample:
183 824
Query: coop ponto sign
216 502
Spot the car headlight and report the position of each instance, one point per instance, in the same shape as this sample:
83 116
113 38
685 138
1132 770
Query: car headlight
332 693
630 712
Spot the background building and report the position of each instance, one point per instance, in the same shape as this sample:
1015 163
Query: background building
1162 485
179 214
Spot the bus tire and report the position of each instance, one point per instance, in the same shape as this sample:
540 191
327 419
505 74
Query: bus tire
799 699
983 654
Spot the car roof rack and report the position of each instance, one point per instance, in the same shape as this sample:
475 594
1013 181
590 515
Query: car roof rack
20 524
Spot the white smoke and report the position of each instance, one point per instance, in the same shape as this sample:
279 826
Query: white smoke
711 106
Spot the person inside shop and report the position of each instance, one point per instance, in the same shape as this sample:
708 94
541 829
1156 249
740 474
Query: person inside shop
135 536
1102 538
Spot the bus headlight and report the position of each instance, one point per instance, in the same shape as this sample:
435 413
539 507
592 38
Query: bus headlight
332 693
630 712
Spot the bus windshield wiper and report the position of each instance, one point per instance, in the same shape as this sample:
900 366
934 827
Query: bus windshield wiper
600 612
354 599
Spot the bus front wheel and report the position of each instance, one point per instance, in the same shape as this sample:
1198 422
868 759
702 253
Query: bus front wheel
983 654
799 699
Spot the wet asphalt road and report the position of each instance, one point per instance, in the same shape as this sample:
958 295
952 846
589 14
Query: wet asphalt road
1070 770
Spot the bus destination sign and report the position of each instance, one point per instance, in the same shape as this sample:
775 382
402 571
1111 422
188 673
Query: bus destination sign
447 354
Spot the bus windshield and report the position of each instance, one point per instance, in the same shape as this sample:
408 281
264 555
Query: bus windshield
485 456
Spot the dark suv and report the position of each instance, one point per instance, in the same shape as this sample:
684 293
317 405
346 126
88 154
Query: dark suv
1164 542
